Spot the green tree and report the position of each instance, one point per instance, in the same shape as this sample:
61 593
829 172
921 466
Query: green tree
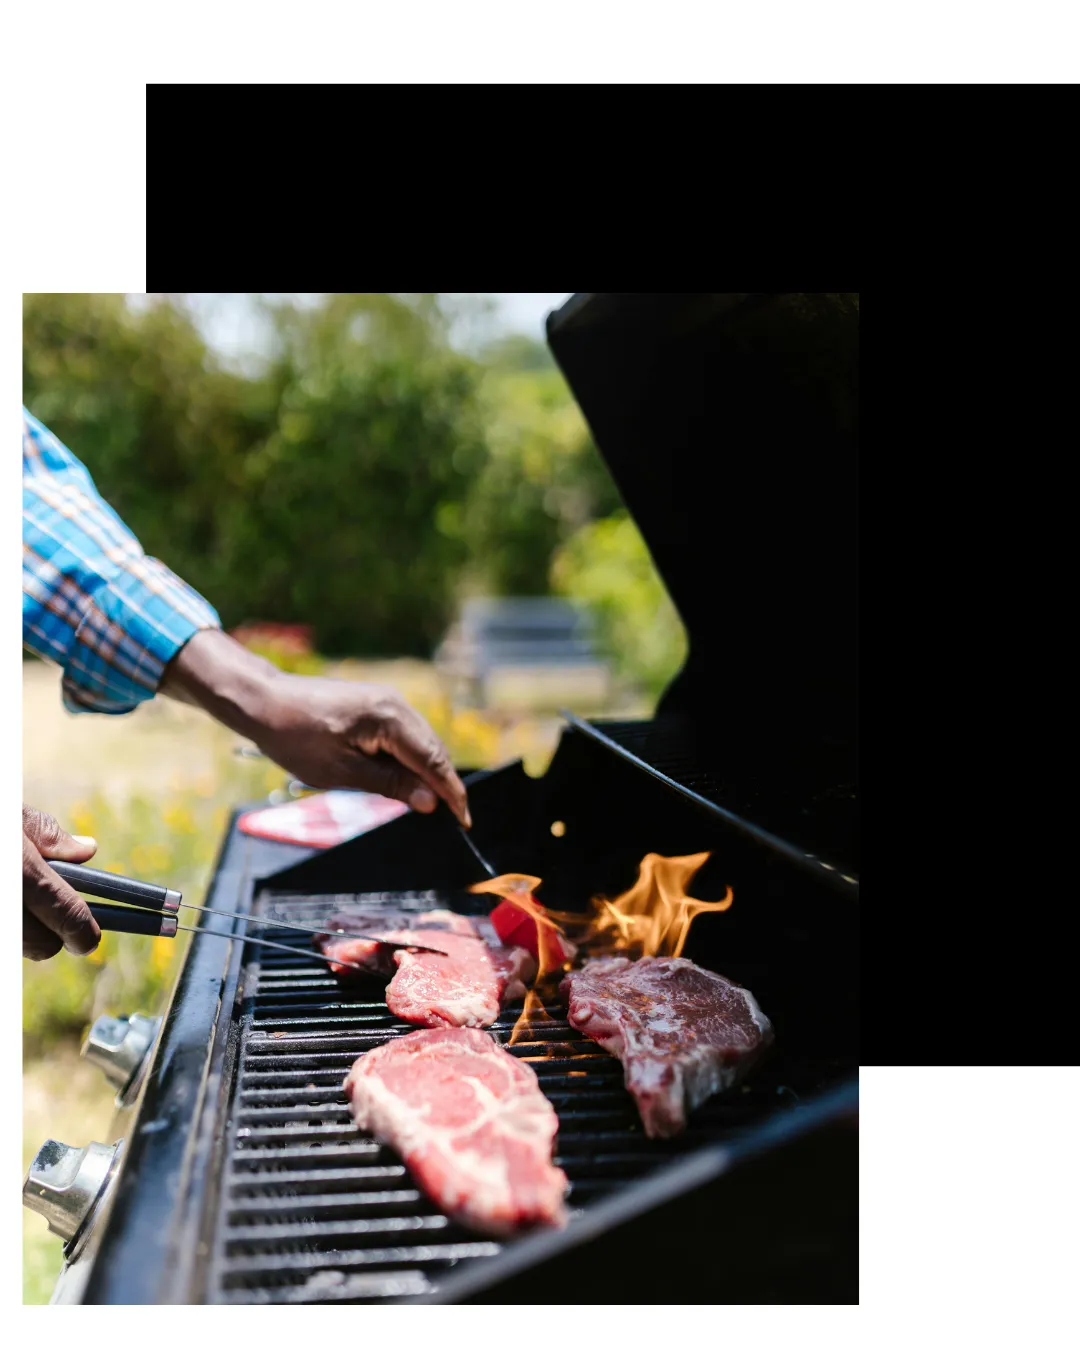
160 427
607 567
543 478
328 488
352 511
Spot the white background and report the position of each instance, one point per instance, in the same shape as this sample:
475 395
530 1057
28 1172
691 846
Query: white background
970 1188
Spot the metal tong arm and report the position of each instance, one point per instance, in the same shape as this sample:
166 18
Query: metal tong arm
92 881
120 919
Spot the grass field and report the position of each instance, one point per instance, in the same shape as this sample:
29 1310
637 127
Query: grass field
154 788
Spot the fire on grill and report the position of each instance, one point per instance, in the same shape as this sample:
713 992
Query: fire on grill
469 1119
699 872
652 918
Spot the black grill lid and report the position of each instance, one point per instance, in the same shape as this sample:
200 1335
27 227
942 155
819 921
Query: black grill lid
730 425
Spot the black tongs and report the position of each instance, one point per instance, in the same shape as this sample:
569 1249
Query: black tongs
156 915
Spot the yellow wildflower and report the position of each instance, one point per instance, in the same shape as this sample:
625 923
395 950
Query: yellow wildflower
179 818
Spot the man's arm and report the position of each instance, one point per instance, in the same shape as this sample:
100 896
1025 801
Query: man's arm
93 602
124 627
328 733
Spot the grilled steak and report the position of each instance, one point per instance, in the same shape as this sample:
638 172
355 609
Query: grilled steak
463 988
682 1033
470 1122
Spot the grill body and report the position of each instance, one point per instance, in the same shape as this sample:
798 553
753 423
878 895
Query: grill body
242 1180
312 1211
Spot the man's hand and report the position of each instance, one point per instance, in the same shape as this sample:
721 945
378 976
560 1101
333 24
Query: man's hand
332 733
54 915
328 733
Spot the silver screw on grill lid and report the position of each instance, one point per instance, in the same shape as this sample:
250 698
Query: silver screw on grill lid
119 1046
64 1183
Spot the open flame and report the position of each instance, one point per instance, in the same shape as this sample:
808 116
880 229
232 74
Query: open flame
553 951
652 918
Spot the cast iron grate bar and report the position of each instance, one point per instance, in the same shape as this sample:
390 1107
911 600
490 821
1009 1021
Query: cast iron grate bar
312 1211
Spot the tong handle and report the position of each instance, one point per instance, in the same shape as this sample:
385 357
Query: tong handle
92 881
118 919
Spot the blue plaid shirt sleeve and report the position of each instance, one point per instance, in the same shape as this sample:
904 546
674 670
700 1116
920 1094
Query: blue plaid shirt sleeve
93 602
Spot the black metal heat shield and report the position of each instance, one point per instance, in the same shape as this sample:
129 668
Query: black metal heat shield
418 852
583 827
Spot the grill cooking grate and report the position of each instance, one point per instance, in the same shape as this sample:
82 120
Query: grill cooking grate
311 1210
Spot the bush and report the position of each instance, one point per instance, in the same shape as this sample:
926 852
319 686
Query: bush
285 645
607 567
351 514
542 479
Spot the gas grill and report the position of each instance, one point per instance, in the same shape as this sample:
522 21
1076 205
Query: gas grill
242 1178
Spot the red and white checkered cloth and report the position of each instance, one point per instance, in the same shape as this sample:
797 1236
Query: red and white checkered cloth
322 820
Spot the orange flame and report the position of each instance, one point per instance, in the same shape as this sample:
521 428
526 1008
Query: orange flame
552 948
652 918
518 889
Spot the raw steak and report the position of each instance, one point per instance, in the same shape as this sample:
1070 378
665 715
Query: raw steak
464 988
682 1033
470 1122
394 927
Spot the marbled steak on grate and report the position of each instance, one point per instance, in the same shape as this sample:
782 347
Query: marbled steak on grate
470 1122
681 1032
466 987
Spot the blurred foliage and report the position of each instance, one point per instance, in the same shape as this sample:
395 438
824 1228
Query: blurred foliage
543 478
361 478
607 567
161 429
287 646
353 503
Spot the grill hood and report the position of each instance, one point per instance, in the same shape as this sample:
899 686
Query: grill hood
729 424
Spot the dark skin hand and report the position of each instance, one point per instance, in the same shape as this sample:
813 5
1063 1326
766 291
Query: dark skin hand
54 916
327 733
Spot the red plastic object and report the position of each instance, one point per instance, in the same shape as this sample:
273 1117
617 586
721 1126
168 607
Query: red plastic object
321 820
515 928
